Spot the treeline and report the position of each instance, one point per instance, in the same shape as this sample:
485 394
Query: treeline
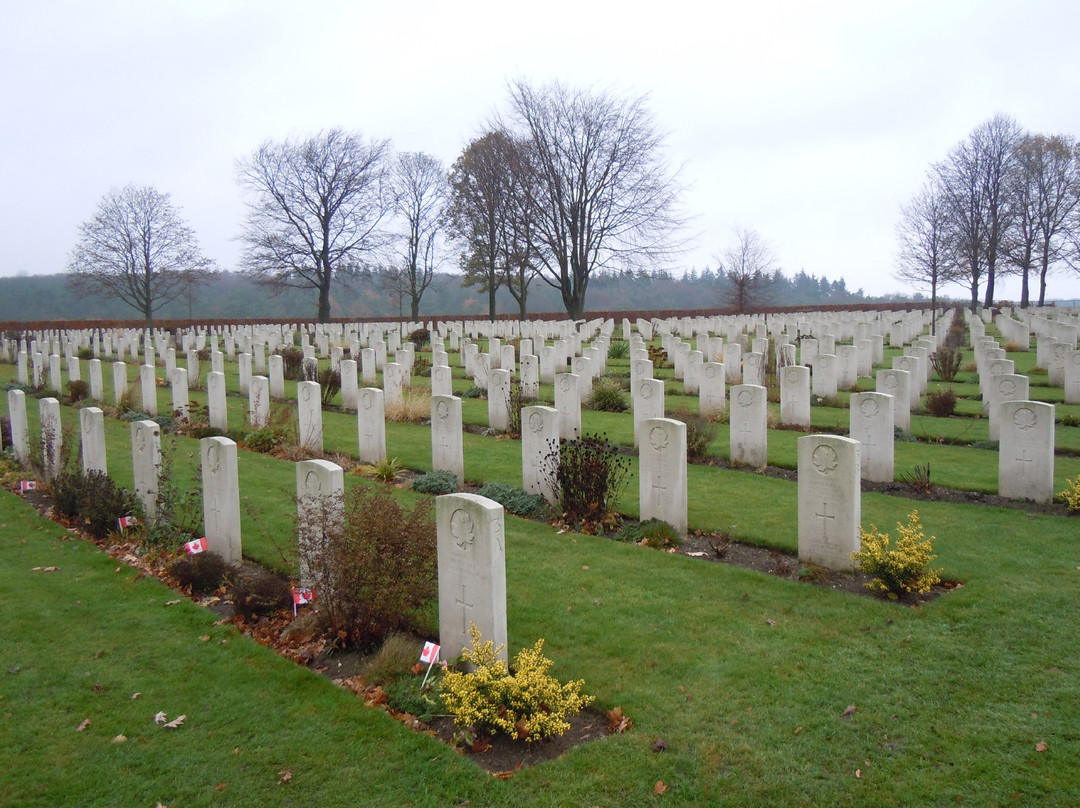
228 295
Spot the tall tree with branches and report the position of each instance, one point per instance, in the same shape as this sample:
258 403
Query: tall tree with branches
315 206
745 266
927 254
420 194
136 247
602 193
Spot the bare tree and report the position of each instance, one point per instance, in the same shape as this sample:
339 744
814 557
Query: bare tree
745 265
421 192
314 205
137 248
974 177
1057 179
927 255
603 193
491 215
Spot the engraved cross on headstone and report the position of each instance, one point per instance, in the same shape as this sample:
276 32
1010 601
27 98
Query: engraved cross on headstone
825 516
465 605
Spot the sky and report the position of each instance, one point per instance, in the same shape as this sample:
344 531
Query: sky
809 122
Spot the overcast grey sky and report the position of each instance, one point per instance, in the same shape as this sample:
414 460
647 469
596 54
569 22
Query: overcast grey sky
810 122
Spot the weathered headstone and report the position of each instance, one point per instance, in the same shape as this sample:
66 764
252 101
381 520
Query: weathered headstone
1011 387
830 500
92 432
217 411
97 387
146 463
1026 451
871 423
259 402
539 450
712 390
180 403
472 571
749 425
662 472
52 437
20 434
309 409
148 387
221 498
372 425
530 376
498 400
795 395
824 379
568 403
277 377
442 380
320 492
447 447
349 383
896 383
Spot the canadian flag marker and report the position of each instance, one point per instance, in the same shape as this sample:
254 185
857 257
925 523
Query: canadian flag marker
126 522
301 596
28 485
195 547
430 655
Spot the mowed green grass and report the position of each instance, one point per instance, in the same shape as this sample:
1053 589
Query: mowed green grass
744 677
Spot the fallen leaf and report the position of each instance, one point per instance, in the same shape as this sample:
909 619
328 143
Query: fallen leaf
204 637
176 722
119 738
172 602
135 696
15 670
660 787
285 775
418 668
858 774
771 622
798 730
220 786
160 718
659 746
1039 747
85 723
850 709
617 722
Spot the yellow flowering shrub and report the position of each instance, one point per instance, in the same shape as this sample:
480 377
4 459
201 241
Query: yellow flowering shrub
1071 494
527 704
900 569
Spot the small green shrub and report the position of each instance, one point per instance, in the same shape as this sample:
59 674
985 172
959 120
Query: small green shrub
200 573
385 470
606 396
104 502
404 695
292 362
658 356
527 704
515 500
901 569
394 660
436 482
67 494
260 593
419 337
652 533
474 392
78 390
619 349
941 404
329 384
85 353
700 432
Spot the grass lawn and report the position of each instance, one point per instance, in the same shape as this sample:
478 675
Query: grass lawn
970 699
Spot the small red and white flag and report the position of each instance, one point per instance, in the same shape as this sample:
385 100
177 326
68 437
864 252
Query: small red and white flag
126 522
195 547
301 596
430 653
28 485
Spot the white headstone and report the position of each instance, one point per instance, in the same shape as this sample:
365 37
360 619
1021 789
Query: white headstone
1026 451
897 384
92 429
146 463
309 409
180 404
447 447
498 400
472 571
539 451
662 472
795 395
830 500
277 377
20 434
97 387
371 421
442 380
749 425
871 423
217 411
824 380
568 403
1010 387
221 498
259 402
712 390
349 383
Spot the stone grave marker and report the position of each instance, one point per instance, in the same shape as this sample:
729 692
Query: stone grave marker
309 409
870 422
795 395
1010 387
648 402
749 425
92 432
712 391
447 447
259 402
20 434
146 463
217 411
539 439
896 383
825 376
148 386
662 472
320 495
830 500
180 403
472 571
1026 451
372 425
221 498
349 383
568 403
498 400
